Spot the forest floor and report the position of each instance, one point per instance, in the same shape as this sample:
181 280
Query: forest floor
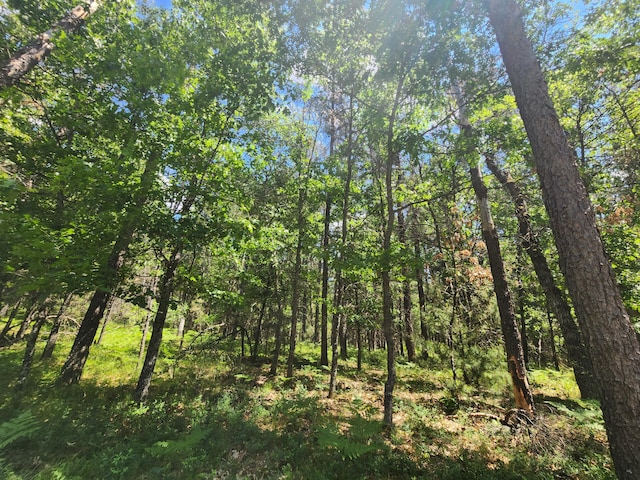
213 415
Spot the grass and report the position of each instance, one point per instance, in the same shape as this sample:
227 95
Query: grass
213 416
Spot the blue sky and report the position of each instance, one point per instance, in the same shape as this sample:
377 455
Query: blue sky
161 3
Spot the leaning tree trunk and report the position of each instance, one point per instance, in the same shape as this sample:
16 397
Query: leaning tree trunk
55 328
72 369
508 322
577 352
30 350
612 341
165 289
27 57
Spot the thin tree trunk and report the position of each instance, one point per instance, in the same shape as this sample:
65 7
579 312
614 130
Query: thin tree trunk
72 369
7 326
28 319
324 318
552 338
419 274
578 354
105 320
612 341
335 329
521 310
295 294
387 298
55 329
510 332
258 331
30 350
408 333
165 290
27 57
278 335
451 341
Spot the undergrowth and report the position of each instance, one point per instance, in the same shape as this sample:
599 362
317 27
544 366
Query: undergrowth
214 415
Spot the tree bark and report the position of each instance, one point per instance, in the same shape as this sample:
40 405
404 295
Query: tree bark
324 316
55 329
278 333
27 57
409 339
30 350
295 294
165 290
508 322
72 369
385 274
612 341
577 352
4 335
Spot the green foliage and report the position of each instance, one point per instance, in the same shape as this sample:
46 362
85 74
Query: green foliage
358 440
22 426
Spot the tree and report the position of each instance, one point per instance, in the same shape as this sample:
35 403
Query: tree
610 337
27 57
578 354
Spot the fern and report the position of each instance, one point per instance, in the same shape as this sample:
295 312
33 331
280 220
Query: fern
588 416
169 447
357 442
24 425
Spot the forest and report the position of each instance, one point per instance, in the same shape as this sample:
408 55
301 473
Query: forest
317 239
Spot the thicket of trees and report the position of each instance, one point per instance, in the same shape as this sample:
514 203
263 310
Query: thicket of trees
302 170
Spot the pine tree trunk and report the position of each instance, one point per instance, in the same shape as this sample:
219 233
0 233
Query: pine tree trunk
27 57
577 352
508 322
165 290
612 341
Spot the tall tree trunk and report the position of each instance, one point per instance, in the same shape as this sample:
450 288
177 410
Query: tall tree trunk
27 57
603 319
55 328
508 322
324 319
72 369
578 354
278 334
258 331
385 274
338 318
295 294
165 290
336 321
419 274
406 294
